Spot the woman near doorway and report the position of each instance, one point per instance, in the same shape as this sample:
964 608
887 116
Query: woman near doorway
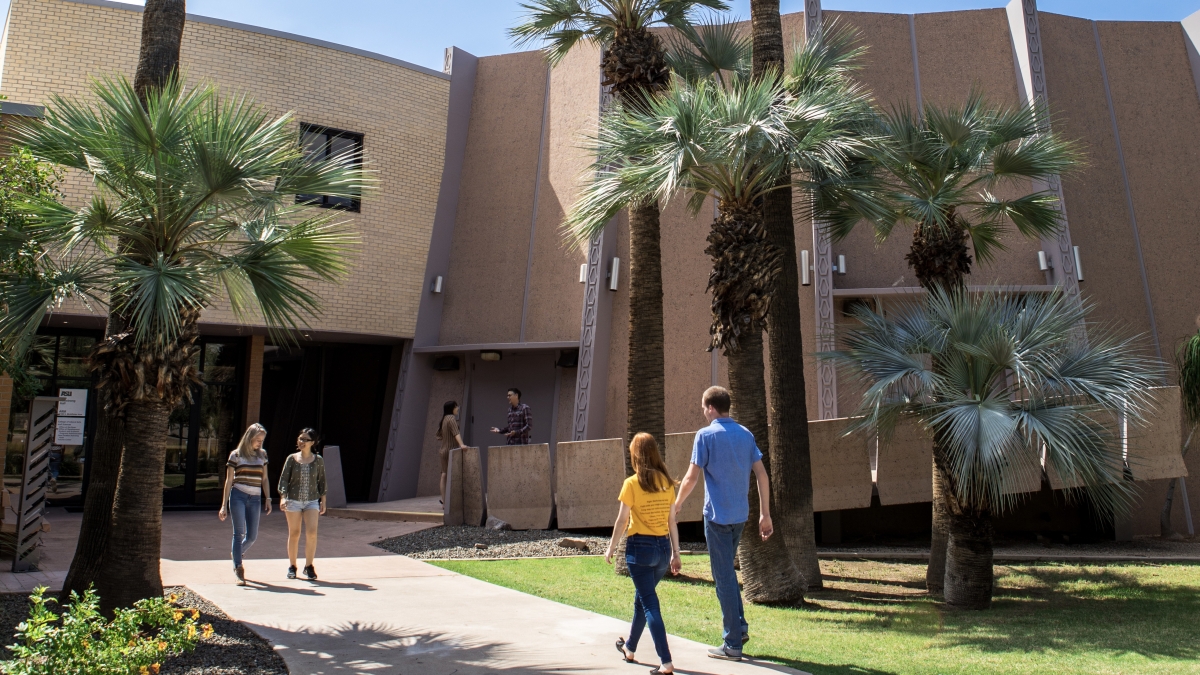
302 499
449 437
245 478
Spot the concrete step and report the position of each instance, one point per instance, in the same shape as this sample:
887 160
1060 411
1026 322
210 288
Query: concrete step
386 516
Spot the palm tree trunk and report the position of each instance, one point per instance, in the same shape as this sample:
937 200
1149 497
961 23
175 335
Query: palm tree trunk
935 572
791 466
940 259
131 564
767 33
646 373
95 526
103 464
162 34
969 576
768 574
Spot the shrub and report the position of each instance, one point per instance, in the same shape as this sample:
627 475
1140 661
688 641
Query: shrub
82 641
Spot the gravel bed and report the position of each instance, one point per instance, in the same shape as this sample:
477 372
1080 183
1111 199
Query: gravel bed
1140 546
232 650
459 542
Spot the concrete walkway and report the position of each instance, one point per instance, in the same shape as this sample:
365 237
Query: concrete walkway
392 614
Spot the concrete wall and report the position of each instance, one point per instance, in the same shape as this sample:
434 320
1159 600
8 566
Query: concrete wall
54 46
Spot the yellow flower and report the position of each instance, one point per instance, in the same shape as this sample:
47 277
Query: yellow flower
144 670
85 644
154 668
195 613
191 631
177 615
174 597
208 630
162 646
132 643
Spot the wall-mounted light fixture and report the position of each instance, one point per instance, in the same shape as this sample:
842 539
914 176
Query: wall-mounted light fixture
613 274
583 273
841 266
1078 266
489 356
1043 262
436 286
805 279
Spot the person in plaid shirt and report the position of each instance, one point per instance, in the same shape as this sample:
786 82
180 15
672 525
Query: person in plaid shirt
520 420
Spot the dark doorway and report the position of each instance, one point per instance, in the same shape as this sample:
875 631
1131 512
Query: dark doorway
337 389
201 433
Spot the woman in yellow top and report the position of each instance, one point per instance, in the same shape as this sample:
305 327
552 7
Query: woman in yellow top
652 544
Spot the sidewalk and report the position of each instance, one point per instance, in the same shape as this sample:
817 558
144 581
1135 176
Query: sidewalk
392 614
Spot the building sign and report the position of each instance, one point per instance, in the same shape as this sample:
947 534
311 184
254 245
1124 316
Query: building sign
72 412
74 403
69 431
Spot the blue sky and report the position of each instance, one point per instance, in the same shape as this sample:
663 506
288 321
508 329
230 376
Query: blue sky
419 30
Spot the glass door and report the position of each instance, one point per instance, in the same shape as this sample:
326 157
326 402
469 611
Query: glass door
201 433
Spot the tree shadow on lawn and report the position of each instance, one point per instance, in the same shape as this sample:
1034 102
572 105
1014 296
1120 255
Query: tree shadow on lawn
1037 609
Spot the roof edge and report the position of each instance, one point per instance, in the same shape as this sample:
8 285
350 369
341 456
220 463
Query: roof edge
275 33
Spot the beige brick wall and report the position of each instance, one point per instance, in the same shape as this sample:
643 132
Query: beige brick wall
54 46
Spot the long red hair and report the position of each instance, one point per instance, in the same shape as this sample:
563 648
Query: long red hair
648 464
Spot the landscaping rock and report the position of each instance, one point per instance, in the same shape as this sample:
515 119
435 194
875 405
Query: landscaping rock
481 547
577 544
494 523
461 541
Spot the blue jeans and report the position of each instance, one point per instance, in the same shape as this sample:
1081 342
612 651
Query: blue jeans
245 510
722 547
648 558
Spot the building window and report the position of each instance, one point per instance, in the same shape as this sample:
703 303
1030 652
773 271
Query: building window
323 142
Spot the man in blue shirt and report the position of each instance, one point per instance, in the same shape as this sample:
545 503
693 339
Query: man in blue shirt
725 454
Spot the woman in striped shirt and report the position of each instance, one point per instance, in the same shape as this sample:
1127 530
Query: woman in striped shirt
245 478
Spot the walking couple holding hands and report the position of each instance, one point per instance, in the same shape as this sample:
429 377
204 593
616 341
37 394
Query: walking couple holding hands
724 455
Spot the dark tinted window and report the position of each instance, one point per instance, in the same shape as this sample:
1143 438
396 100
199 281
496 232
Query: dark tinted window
324 142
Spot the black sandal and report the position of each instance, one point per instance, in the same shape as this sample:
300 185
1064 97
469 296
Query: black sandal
621 648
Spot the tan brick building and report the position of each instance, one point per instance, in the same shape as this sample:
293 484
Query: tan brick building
461 257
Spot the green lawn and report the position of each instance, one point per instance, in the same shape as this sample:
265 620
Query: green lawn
874 618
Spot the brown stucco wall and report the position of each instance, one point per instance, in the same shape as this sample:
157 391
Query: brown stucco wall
486 285
1095 196
1158 118
53 46
555 294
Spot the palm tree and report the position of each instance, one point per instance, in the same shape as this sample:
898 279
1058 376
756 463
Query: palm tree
1004 383
158 59
731 142
1187 363
634 65
940 170
195 202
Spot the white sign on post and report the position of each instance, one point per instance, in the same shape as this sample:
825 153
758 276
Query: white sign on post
73 403
69 431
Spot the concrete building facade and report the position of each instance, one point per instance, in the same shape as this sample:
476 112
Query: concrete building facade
462 258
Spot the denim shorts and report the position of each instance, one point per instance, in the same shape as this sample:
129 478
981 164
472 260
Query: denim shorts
294 506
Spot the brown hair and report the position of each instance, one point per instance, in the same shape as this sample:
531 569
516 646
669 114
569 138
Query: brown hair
717 397
648 464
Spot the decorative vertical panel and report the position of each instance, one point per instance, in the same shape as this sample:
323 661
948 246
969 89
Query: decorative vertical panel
591 312
822 277
587 337
1027 43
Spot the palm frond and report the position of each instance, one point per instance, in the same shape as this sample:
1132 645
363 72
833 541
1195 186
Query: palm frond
1000 381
